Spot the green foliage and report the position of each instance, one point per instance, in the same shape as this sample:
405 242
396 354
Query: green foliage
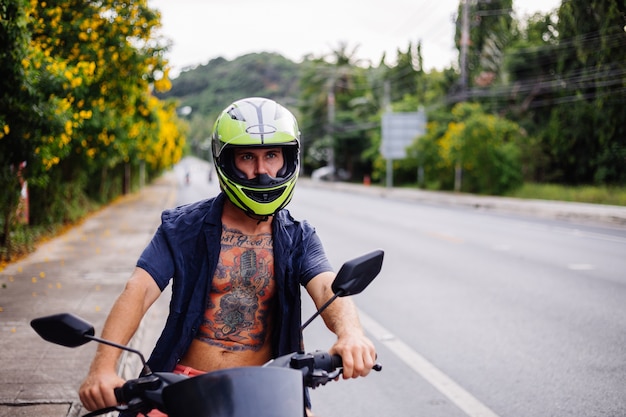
336 104
427 154
490 32
483 145
568 77
404 76
545 103
76 106
584 194
205 90
28 117
593 68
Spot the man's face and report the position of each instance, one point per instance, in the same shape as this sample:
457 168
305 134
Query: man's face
257 161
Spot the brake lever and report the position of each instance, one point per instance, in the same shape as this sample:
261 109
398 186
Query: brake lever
321 377
335 374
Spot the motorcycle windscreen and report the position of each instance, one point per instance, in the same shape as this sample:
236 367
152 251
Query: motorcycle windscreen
237 392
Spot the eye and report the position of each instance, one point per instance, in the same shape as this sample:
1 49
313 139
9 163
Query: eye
273 153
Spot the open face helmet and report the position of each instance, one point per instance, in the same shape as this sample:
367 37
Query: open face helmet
256 123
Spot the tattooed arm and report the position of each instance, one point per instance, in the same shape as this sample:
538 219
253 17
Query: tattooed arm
341 317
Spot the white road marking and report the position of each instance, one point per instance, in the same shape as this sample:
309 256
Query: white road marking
580 267
455 393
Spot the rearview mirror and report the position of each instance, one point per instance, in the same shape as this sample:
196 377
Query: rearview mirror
71 331
355 275
63 329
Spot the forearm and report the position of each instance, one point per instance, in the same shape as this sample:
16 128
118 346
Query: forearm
120 326
124 319
342 318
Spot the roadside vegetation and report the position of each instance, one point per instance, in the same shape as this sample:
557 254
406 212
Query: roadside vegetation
535 108
79 123
615 196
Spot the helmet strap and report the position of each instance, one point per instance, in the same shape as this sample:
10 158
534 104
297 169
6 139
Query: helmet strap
256 217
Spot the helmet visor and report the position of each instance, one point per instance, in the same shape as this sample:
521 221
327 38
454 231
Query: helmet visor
226 162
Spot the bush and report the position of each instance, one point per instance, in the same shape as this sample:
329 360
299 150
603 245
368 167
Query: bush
484 146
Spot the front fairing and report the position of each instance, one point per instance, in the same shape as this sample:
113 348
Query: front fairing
237 392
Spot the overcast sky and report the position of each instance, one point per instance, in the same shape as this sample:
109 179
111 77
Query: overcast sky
205 29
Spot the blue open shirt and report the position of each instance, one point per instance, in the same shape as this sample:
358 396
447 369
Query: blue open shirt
185 249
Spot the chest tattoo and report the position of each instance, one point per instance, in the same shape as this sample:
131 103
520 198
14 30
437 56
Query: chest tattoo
239 303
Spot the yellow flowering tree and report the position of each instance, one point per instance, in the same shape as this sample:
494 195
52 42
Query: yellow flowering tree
30 119
113 59
76 104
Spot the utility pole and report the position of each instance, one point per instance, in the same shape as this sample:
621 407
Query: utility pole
387 107
330 102
465 40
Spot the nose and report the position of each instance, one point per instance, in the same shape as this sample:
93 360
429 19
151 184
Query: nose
260 167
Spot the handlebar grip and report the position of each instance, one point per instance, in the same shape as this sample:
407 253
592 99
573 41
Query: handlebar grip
136 388
325 361
119 395
336 361
328 362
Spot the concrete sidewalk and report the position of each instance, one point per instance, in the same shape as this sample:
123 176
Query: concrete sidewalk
81 272
85 269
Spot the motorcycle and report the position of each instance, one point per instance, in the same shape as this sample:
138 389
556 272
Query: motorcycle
275 389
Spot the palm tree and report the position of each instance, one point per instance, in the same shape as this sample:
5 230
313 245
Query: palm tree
331 87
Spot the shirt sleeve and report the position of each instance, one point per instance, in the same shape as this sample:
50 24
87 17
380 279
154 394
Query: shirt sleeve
314 260
157 260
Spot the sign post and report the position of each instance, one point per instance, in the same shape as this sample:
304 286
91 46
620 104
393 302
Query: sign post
399 130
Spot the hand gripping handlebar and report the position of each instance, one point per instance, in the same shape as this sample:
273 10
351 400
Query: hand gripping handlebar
320 367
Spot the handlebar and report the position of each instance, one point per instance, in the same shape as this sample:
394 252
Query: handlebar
134 388
327 362
320 367
140 395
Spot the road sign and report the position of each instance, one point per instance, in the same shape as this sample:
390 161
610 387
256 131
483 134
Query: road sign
399 130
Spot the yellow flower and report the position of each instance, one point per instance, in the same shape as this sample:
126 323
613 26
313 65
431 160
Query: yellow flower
77 82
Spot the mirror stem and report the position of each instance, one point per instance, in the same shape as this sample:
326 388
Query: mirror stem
146 368
321 309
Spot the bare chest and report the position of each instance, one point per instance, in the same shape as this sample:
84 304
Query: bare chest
240 302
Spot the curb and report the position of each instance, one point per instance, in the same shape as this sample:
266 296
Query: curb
598 214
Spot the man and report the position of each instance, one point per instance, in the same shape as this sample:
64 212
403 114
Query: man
236 263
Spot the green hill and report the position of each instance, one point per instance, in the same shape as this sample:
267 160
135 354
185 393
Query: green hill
207 89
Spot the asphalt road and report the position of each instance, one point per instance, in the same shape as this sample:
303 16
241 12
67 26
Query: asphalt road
478 313
480 309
